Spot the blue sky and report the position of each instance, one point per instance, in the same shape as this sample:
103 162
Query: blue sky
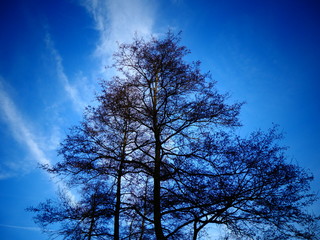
53 53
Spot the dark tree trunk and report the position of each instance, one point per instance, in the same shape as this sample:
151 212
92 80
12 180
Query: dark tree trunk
117 209
157 194
118 191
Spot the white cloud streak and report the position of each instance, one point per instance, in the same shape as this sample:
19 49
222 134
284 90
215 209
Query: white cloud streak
21 133
18 126
118 21
21 227
72 91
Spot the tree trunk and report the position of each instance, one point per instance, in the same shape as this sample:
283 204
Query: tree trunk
92 221
157 165
117 210
156 194
118 193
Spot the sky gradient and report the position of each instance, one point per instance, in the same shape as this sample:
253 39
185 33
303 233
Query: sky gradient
53 54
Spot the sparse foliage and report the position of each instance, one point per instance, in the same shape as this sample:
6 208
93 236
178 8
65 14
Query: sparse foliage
159 159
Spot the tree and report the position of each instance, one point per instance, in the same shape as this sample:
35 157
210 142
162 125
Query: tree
97 151
86 219
163 143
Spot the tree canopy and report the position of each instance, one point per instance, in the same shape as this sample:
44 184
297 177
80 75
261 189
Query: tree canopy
159 158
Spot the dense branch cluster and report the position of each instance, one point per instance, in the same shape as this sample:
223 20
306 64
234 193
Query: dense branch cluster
158 159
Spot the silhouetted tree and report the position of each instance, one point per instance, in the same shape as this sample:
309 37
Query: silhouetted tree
246 185
173 102
88 218
162 138
98 150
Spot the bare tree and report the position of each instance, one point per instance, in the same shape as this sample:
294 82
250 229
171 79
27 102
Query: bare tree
163 139
85 219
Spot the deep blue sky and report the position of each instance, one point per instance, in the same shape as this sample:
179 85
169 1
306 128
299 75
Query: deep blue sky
53 52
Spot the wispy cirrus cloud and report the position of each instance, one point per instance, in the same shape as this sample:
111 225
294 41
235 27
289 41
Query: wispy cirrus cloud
22 133
19 128
21 227
71 90
118 21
